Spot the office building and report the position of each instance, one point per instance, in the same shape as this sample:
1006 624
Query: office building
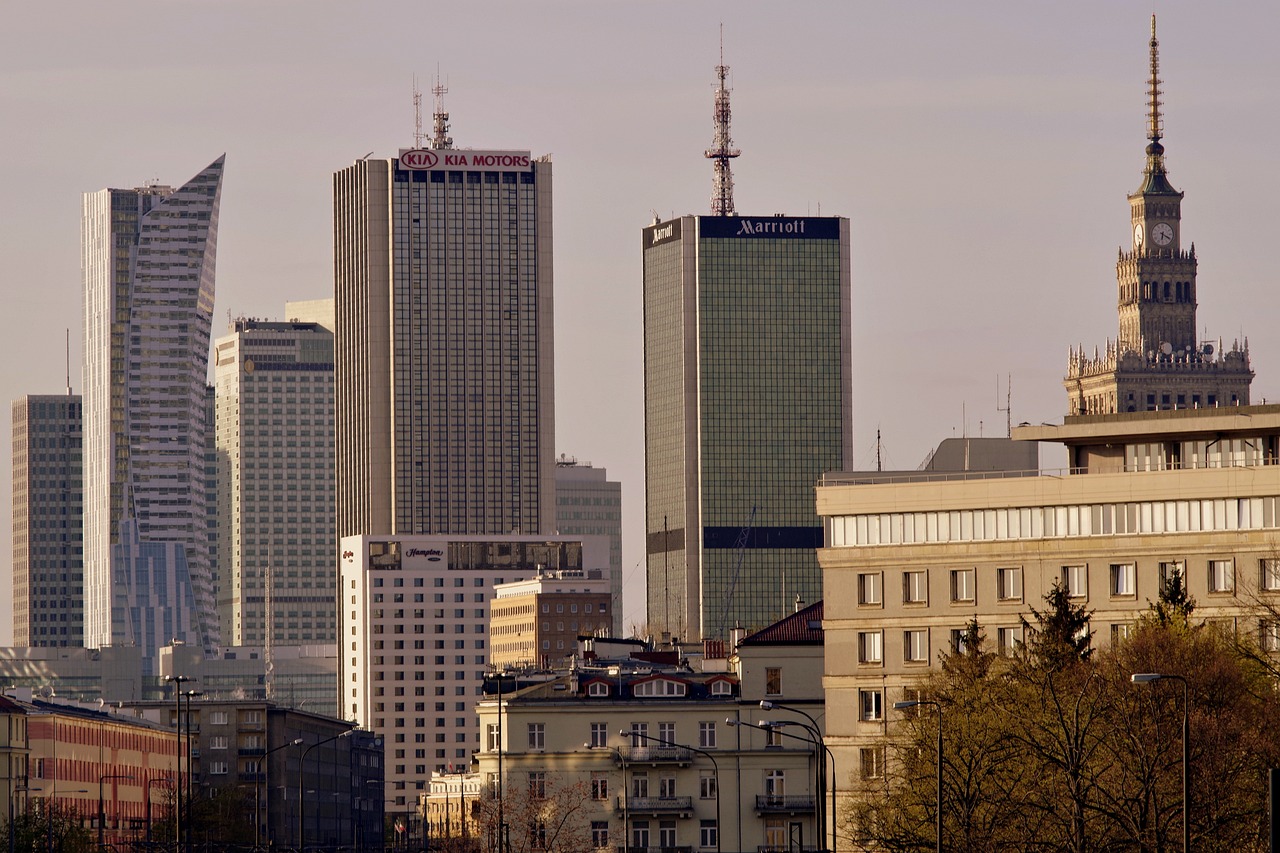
445 381
588 503
275 442
148 257
415 615
48 579
747 402
537 622
1158 361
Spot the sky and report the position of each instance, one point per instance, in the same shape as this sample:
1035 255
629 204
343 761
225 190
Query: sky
982 151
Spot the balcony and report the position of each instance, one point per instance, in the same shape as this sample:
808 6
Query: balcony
785 848
656 755
680 806
630 849
251 750
790 804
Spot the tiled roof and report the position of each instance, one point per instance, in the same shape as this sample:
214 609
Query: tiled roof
803 628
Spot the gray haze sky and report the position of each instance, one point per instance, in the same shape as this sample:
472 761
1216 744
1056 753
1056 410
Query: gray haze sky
983 152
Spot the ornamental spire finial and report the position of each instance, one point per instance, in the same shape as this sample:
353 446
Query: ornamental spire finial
1154 130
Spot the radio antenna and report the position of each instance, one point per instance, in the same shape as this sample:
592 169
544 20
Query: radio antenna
722 150
417 114
440 118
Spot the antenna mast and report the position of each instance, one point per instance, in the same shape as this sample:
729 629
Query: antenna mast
417 114
1008 403
722 150
440 118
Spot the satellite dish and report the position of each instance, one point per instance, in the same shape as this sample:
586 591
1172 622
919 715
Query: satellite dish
1208 349
1166 348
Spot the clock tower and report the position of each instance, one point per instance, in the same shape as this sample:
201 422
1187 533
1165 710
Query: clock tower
1157 362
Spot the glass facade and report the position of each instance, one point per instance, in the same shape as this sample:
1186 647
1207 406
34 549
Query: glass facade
747 404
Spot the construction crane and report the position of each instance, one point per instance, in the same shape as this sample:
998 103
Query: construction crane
741 548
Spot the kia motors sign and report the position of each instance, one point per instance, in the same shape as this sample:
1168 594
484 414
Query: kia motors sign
463 159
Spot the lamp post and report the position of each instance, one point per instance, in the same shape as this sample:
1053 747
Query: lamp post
159 780
102 815
177 681
915 703
190 770
302 803
12 793
259 784
1148 678
820 743
714 766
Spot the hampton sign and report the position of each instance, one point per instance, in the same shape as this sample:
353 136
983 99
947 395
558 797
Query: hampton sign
463 159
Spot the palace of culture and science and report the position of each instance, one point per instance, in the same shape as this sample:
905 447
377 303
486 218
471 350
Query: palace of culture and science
1157 363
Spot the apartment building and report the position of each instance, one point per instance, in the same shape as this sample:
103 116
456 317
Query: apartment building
536 622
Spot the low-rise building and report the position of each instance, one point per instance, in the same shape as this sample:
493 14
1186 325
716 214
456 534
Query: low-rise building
537 622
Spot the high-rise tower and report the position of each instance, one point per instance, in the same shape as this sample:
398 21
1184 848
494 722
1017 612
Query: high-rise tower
1157 361
445 383
48 543
148 258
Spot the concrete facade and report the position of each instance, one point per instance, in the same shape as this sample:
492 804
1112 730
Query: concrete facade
588 503
537 622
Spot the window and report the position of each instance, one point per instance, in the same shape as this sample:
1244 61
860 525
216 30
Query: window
721 687
871 705
599 834
537 735
538 785
218 742
491 736
659 687
597 688
1120 632
915 588
1171 570
773 681
962 585
640 833
869 650
537 835
708 834
1123 579
599 735
667 732
1009 584
639 731
707 735
667 834
1269 635
915 645
775 783
1222 576
218 718
1008 639
1076 581
871 762
666 787
707 785
218 768
599 785
870 588
958 645
640 785
1271 575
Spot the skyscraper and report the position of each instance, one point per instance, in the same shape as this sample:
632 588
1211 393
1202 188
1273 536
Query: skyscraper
148 257
445 382
47 539
747 403
275 443
1157 361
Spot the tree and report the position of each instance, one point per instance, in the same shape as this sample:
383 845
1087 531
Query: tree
45 826
541 813
1174 605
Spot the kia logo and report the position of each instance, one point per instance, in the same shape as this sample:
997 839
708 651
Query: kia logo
419 159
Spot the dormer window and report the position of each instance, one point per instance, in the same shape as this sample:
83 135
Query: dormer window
659 687
721 688
597 688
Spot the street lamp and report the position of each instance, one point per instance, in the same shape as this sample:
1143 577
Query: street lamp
916 703
1148 678
819 742
302 803
177 681
259 783
12 793
715 766
102 818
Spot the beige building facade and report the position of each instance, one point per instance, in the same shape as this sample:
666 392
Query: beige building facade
908 563
537 621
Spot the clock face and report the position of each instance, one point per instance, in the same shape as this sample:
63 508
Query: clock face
1162 233
1137 235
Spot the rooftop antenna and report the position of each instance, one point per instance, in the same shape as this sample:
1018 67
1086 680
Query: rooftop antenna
68 362
1008 398
440 118
879 465
417 114
722 150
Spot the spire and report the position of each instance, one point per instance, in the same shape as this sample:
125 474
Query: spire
1156 180
722 150
440 118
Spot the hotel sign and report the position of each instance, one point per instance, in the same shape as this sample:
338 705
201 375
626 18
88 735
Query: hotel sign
663 232
783 227
463 159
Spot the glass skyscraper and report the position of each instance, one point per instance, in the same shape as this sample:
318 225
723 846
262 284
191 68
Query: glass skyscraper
445 383
147 257
747 402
